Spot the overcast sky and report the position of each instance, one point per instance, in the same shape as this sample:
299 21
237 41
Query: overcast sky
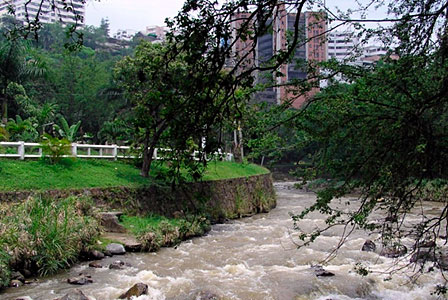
131 14
137 14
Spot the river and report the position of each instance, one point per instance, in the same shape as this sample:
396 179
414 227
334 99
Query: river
250 258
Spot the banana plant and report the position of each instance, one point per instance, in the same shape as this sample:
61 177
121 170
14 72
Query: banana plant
66 131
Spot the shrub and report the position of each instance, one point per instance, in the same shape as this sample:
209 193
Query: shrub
45 233
55 149
4 135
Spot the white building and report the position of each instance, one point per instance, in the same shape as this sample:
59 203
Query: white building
125 34
343 45
159 32
43 8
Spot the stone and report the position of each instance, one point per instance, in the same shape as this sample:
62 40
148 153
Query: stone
95 265
18 276
80 280
425 244
27 273
116 249
394 251
178 214
133 246
423 255
107 253
110 223
15 283
206 295
442 262
136 291
369 246
118 265
24 298
129 242
319 271
74 295
95 255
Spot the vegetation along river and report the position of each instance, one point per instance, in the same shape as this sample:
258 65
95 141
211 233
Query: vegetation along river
251 258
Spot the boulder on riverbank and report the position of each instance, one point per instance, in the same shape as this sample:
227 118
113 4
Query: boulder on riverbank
109 220
116 249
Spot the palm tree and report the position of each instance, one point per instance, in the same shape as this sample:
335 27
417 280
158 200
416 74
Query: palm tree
18 62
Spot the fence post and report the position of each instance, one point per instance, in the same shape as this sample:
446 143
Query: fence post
115 152
74 149
21 150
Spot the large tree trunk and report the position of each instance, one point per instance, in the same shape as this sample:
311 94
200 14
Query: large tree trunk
4 110
148 152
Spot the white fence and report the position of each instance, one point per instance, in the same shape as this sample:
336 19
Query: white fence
22 150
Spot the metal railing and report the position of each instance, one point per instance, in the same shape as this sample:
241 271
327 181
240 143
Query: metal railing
22 150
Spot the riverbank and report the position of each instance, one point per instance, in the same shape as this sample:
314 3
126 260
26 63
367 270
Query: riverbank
73 215
252 258
16 175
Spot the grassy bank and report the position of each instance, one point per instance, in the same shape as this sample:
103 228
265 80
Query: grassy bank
41 235
39 175
155 231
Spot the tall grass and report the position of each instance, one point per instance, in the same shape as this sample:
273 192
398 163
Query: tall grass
44 235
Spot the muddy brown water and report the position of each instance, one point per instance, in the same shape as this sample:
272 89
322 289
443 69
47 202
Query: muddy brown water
251 258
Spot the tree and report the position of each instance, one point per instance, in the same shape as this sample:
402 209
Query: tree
17 64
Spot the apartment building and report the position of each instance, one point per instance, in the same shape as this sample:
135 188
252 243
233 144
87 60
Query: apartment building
343 45
45 10
312 46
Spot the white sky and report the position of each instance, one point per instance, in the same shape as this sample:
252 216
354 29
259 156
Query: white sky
131 14
137 14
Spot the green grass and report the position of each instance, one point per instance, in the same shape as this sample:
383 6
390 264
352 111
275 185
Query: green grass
73 174
139 225
225 170
39 175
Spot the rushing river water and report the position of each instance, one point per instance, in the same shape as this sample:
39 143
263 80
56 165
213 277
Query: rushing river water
251 258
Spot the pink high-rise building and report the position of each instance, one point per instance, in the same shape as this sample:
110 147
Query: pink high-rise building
312 47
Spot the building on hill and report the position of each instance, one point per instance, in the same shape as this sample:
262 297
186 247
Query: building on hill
158 32
312 46
44 11
125 34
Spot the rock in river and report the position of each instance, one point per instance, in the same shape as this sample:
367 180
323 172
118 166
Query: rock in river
74 295
118 264
321 272
136 291
206 295
80 280
369 246
394 251
116 249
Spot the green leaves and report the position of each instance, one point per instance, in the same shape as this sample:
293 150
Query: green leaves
66 131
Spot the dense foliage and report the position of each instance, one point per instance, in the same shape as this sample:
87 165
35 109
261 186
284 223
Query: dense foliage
50 88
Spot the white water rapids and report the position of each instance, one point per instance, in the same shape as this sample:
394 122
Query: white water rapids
251 258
